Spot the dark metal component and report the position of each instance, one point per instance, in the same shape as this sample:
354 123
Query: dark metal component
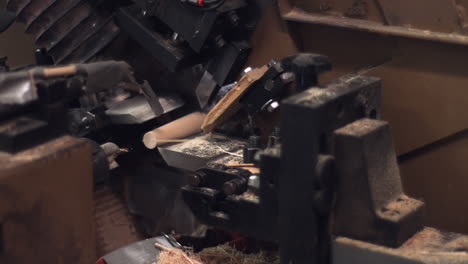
306 68
252 147
196 179
430 246
310 119
64 25
4 65
138 110
100 163
205 89
197 24
6 19
34 9
16 6
272 86
216 176
49 97
85 30
274 138
172 240
200 150
169 55
135 110
212 206
296 181
93 45
22 133
72 31
152 98
235 186
43 58
371 205
48 17
17 88
2 239
325 184
228 62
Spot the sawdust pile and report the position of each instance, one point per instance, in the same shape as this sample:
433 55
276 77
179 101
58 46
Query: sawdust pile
176 256
224 254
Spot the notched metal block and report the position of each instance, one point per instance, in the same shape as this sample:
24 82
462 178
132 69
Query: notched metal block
371 205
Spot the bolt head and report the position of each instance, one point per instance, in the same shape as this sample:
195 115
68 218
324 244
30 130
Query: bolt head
273 106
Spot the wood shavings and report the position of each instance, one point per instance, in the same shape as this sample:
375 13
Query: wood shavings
224 254
176 256
248 166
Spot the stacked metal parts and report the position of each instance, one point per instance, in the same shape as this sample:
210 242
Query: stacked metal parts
70 30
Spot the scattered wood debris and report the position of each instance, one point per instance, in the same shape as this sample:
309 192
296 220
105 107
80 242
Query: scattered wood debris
224 254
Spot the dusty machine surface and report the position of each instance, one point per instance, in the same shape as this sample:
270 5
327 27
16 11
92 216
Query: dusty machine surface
234 131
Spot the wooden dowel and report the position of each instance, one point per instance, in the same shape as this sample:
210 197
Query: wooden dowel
174 131
60 71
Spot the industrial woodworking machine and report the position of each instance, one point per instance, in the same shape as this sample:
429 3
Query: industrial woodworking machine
154 100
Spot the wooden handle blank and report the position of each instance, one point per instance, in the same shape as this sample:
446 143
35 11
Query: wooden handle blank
175 130
60 71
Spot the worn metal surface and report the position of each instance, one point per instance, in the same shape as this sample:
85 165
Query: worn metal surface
429 246
46 204
6 19
198 150
312 116
142 252
441 20
172 57
424 93
137 110
371 205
